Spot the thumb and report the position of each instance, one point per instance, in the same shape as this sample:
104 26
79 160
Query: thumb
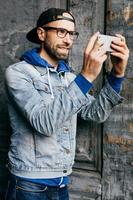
91 43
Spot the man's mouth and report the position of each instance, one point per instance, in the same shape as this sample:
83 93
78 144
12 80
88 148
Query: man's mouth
64 47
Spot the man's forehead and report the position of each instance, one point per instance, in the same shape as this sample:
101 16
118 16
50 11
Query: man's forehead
63 24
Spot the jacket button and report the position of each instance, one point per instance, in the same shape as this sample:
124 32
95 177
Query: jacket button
67 151
64 171
66 129
46 89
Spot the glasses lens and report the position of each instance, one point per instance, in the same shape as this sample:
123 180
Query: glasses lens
61 33
73 35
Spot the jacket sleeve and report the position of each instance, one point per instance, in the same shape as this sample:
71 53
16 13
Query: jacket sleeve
47 119
101 107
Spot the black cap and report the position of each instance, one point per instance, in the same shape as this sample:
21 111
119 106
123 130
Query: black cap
50 15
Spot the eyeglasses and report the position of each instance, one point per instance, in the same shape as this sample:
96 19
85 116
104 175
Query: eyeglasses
62 32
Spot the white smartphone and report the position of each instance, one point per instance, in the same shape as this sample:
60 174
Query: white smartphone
107 39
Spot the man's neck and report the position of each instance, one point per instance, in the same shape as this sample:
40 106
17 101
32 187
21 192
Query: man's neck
50 60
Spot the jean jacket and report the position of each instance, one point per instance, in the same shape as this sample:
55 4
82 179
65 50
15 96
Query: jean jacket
43 106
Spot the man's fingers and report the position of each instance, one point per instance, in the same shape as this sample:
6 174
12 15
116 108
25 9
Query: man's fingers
118 55
101 51
121 37
91 43
122 41
118 48
98 43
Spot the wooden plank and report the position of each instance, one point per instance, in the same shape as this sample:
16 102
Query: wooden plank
51 4
85 185
89 17
118 130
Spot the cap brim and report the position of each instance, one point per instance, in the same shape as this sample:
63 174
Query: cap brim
32 36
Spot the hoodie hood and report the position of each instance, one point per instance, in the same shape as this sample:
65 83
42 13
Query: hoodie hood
32 57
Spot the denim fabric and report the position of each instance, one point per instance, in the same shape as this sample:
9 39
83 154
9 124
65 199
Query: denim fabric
43 136
19 189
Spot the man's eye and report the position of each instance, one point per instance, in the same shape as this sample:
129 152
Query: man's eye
62 31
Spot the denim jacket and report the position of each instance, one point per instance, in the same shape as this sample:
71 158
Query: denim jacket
44 125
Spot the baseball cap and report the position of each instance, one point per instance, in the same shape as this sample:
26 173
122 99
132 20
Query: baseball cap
50 15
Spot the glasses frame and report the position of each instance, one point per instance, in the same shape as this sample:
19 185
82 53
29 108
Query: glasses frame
72 34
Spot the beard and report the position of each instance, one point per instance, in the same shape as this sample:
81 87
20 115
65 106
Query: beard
58 52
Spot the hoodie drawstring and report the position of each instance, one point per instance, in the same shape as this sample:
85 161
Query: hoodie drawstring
50 85
61 180
66 81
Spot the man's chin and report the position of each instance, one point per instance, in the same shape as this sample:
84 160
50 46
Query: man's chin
62 56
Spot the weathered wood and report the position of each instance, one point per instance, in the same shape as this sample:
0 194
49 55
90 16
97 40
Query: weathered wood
89 17
85 185
118 130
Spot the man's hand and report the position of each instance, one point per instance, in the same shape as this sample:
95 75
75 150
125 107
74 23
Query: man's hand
120 56
94 56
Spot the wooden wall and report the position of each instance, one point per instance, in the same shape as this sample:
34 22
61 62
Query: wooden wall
117 181
86 177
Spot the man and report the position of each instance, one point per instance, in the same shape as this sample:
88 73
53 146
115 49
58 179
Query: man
44 100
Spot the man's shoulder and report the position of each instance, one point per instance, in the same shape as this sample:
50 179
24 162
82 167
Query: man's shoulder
18 66
20 70
21 67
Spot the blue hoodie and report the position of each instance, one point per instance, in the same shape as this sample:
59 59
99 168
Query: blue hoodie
32 57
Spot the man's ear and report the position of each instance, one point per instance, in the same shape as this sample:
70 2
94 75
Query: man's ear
41 34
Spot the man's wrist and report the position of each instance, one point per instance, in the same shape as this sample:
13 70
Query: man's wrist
115 81
89 78
117 73
83 83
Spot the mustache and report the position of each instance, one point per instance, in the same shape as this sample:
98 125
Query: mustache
64 46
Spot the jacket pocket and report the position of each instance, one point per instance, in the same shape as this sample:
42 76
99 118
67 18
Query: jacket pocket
41 86
43 89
